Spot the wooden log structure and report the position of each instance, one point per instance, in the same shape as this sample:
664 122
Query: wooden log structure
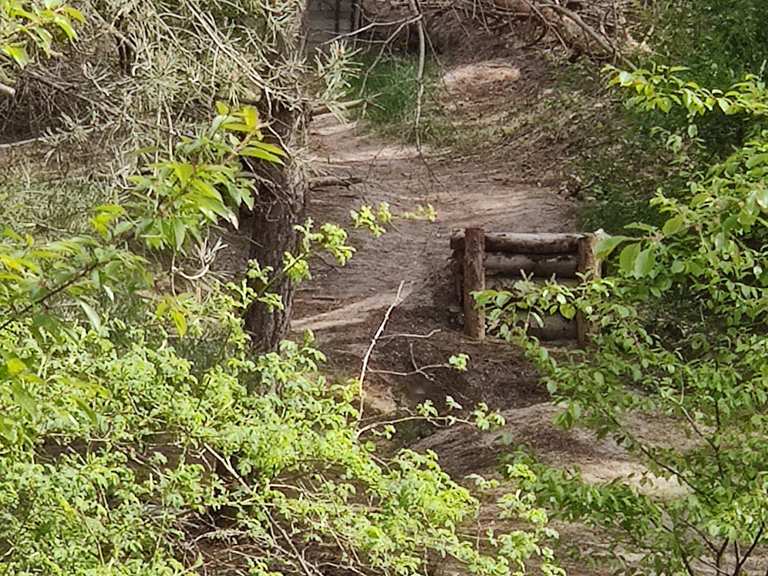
545 265
501 259
474 281
589 265
516 243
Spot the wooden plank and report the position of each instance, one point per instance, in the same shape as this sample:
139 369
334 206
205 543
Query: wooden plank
509 283
540 265
474 281
540 243
554 328
587 264
457 267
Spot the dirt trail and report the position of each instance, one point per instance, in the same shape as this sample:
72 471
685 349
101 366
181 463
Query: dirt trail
344 306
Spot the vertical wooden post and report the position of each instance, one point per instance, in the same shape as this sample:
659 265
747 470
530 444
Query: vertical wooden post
474 281
587 264
337 17
457 267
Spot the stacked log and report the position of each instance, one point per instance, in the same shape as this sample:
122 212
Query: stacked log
498 260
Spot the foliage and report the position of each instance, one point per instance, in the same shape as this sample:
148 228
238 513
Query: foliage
720 42
679 338
30 27
139 434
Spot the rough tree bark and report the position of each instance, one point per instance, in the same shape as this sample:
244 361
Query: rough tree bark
279 207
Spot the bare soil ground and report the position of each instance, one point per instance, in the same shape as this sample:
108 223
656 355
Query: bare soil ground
515 181
496 189
344 306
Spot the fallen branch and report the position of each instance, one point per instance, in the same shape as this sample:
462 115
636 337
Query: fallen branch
429 335
374 341
591 32
328 181
325 109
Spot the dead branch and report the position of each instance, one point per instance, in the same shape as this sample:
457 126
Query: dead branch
329 181
374 341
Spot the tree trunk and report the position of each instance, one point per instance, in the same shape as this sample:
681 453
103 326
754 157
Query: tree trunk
280 205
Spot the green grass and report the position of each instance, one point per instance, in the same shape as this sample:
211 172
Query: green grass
391 87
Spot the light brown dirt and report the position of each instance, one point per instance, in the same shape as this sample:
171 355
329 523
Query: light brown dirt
516 187
344 306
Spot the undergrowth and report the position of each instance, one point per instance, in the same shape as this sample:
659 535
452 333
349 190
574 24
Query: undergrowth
720 44
390 87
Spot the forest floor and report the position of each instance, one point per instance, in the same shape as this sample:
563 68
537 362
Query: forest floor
517 183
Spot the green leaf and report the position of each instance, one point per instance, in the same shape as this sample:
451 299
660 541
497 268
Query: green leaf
66 26
8 429
628 256
74 14
15 366
180 233
92 315
183 172
567 310
276 150
607 244
645 262
250 117
626 78
24 399
179 320
254 152
18 53
673 225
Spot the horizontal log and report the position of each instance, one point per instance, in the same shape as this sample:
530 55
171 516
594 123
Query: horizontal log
541 243
508 283
555 328
542 265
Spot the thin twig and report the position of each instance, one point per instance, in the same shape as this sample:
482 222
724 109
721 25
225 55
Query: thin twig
7 90
404 335
374 341
417 13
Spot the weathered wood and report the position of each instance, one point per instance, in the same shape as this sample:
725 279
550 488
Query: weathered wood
589 265
543 265
554 328
474 281
540 243
509 283
457 266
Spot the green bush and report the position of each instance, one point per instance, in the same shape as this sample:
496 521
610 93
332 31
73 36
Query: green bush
679 342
